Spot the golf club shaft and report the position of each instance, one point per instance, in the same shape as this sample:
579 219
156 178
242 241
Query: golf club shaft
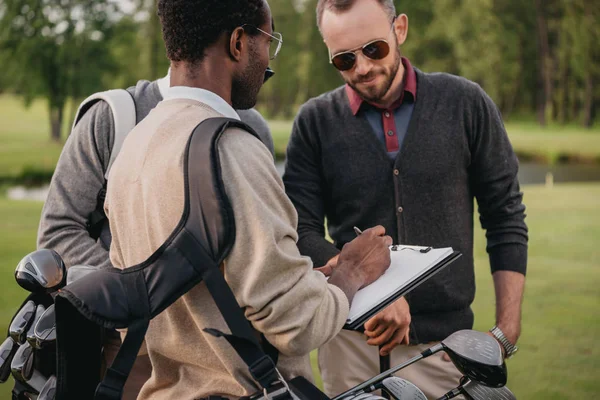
379 377
384 365
390 372
451 394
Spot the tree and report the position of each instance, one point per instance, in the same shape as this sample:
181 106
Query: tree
56 50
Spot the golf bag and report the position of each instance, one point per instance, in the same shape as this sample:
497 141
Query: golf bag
130 298
122 106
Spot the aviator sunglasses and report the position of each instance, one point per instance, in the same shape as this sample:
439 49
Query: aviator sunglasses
375 50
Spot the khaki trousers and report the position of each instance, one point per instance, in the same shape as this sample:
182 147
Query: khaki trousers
347 360
140 373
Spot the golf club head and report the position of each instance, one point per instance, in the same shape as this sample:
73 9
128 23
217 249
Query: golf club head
22 363
48 392
363 396
402 389
7 351
30 337
21 322
45 328
42 271
476 391
478 356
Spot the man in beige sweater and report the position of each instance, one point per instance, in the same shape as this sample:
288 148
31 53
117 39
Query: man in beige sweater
217 66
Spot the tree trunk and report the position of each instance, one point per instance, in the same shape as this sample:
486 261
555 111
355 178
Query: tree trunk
563 89
544 59
588 100
56 118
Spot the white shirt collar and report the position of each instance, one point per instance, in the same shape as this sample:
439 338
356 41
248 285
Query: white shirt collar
207 97
164 84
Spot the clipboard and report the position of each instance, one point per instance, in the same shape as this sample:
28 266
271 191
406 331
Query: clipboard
357 324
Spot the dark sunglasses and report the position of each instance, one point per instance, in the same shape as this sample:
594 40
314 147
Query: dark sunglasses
375 50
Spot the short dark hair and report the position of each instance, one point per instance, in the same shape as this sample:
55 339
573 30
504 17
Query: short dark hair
189 27
344 5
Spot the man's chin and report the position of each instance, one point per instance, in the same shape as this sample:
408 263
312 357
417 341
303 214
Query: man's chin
372 96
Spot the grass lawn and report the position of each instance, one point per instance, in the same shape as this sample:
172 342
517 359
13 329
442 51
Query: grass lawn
26 148
559 356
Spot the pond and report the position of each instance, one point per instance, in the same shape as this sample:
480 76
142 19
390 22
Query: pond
529 173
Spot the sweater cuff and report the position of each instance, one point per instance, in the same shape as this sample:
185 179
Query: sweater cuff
509 257
318 249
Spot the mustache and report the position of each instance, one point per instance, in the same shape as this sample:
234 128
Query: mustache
367 77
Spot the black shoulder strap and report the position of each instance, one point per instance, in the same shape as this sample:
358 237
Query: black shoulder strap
198 245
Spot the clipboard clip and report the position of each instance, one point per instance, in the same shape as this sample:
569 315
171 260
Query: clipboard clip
425 250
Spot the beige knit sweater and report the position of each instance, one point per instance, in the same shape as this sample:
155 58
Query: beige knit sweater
282 296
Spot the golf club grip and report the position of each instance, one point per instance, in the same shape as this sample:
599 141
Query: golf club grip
384 365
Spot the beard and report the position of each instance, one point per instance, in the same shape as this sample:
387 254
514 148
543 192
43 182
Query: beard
375 93
245 86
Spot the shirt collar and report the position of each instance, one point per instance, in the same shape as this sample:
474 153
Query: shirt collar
410 86
164 84
207 97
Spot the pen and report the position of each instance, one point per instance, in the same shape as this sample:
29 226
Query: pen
358 231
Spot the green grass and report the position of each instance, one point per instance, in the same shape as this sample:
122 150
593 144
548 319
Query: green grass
551 144
559 356
26 150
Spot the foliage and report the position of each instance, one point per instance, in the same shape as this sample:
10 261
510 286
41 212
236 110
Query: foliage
534 57
56 49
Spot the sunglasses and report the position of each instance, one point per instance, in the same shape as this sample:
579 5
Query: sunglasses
375 50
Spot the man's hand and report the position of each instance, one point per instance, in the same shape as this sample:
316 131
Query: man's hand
361 261
390 327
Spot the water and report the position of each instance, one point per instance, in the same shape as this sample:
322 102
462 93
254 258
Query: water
529 173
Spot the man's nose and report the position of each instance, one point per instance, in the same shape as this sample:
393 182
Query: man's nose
363 64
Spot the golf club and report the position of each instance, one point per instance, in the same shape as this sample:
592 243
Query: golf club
22 363
48 392
21 322
42 271
30 337
364 396
402 389
396 387
7 352
476 391
476 354
45 328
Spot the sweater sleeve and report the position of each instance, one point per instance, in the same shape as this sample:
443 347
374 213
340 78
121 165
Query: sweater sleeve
304 185
260 125
494 168
282 296
77 180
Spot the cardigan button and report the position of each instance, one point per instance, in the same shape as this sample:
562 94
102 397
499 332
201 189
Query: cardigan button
387 114
400 210
396 172
390 133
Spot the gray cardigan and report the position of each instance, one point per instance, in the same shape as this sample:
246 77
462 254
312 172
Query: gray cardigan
79 177
455 150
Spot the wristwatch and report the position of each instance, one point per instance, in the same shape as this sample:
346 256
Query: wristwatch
509 348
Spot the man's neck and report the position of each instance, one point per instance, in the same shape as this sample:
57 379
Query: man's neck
395 91
205 75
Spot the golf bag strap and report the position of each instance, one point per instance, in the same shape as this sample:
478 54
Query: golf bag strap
122 107
111 387
243 337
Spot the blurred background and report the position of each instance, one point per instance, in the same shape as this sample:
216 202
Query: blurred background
538 59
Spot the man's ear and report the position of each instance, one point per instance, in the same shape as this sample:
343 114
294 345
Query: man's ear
401 28
237 41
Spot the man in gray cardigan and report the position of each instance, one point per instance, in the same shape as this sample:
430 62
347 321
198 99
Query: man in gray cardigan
76 184
410 151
